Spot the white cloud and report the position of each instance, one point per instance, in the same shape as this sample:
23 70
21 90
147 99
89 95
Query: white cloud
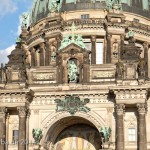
7 6
4 53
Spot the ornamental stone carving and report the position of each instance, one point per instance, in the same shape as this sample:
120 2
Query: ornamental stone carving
120 109
141 108
72 104
22 111
3 110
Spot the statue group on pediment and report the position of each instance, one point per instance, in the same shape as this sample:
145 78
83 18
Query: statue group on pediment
113 4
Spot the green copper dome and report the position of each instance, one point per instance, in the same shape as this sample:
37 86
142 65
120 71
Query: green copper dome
41 8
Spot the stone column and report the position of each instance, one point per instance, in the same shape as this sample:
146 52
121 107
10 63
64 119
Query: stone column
42 54
121 45
93 49
3 111
142 142
47 53
7 129
120 126
32 56
146 46
22 128
108 53
27 129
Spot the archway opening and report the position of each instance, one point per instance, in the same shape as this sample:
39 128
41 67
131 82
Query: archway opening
75 133
78 137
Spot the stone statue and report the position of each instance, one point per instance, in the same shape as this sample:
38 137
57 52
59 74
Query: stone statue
24 20
72 71
37 135
79 41
113 4
65 42
53 56
18 40
106 132
130 34
119 69
8 73
141 67
55 7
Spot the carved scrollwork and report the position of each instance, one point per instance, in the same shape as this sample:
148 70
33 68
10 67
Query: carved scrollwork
22 111
120 109
3 110
141 108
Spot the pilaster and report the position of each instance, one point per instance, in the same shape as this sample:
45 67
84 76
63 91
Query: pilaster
120 126
93 48
3 111
142 141
22 127
108 53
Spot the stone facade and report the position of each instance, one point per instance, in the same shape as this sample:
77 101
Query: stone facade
37 93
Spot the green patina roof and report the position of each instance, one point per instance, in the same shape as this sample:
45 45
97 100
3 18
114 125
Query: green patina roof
41 8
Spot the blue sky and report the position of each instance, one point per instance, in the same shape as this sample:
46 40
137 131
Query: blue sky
10 12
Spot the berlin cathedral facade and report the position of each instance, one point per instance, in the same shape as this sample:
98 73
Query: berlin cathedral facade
78 78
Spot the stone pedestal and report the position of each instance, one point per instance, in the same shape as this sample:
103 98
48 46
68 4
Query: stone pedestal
22 128
142 142
36 147
119 126
3 141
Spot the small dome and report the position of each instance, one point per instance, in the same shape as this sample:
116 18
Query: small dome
41 8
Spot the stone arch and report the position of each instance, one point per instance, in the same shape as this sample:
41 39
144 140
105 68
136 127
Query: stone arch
62 120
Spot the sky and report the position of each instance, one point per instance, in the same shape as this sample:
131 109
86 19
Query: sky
10 14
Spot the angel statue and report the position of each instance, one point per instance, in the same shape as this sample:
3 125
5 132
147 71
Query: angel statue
24 20
106 131
37 135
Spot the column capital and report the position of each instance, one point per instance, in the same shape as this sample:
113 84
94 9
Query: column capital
141 108
145 44
109 36
120 108
22 111
42 45
93 38
3 110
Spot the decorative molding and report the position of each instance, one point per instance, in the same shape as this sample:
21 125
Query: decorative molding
22 111
142 108
120 108
72 104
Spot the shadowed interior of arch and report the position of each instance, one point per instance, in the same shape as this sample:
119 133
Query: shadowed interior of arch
78 137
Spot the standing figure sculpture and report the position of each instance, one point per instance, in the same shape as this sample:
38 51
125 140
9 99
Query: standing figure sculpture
141 68
72 71
24 20
119 70
37 135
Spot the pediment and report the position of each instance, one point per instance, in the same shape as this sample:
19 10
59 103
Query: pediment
73 48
